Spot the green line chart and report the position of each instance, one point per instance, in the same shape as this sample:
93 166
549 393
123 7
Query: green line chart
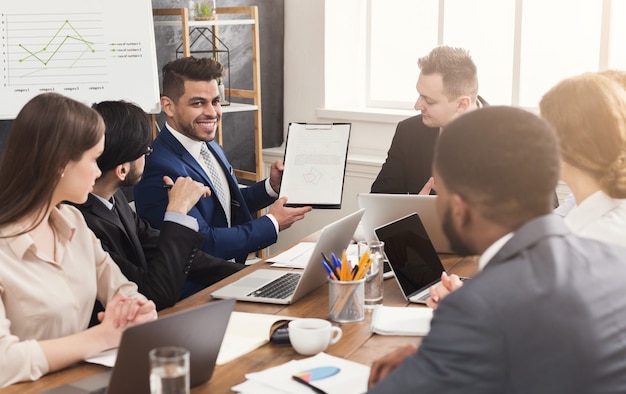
55 48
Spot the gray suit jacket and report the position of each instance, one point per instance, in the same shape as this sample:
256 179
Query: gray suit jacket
546 315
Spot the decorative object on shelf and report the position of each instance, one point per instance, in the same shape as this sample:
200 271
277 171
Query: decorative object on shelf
204 42
220 86
204 10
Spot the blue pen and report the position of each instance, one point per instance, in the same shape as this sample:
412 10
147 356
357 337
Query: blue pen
331 273
336 262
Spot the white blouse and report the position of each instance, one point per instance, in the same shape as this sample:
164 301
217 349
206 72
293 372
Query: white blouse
599 217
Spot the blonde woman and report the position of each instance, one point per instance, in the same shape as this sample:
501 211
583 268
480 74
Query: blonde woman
52 267
588 112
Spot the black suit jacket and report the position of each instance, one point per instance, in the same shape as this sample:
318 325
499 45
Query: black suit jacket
409 160
159 262
410 157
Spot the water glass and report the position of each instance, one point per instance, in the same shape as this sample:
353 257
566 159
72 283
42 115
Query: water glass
169 370
373 292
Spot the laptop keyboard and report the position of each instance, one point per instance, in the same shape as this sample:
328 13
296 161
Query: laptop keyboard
280 288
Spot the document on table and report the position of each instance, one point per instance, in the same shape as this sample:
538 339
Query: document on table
297 256
315 164
244 333
393 320
345 377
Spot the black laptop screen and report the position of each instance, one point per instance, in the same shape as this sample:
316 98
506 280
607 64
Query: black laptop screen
410 253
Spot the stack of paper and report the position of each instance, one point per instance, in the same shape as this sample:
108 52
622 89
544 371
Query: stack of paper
389 320
297 256
346 377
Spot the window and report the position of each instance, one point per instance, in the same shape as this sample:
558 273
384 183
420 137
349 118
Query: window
521 47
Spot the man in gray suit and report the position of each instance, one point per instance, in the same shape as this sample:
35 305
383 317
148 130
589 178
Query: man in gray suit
547 314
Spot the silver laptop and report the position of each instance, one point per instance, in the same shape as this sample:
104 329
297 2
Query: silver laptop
384 208
412 257
275 286
200 330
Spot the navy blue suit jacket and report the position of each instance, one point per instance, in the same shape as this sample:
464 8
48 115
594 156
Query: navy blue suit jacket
246 234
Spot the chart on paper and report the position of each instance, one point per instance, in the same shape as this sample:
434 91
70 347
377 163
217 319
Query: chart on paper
84 49
55 49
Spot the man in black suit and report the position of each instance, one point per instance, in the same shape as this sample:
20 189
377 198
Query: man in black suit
447 87
166 265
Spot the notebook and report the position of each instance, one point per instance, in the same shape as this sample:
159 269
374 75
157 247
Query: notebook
333 238
384 208
412 256
131 373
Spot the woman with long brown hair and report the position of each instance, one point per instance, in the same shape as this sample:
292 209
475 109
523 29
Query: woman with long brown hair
52 267
588 112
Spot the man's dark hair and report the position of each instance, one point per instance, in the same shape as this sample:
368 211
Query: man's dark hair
176 72
128 133
502 160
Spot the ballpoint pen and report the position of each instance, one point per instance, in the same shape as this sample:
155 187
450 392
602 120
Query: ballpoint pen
337 265
330 265
330 272
309 385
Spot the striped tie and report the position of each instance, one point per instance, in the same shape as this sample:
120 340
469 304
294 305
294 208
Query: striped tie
209 160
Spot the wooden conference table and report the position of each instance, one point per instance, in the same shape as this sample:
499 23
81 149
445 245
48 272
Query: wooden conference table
357 344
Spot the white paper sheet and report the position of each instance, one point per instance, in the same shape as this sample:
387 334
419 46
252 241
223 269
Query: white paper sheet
244 333
351 379
390 320
315 163
295 257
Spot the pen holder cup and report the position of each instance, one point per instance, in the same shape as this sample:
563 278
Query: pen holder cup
346 300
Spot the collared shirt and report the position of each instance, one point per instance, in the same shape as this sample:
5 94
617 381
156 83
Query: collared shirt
599 217
492 250
193 147
43 298
184 220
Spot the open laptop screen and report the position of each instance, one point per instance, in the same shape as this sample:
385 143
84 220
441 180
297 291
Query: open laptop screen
410 253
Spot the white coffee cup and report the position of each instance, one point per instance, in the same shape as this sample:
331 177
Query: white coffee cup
310 336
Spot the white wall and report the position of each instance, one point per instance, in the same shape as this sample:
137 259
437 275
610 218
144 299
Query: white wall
305 80
315 48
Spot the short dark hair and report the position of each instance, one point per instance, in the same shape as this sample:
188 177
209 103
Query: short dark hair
502 160
128 133
176 72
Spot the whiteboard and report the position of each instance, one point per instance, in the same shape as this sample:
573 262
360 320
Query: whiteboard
90 50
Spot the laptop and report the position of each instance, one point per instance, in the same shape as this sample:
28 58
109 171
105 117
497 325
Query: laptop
412 256
384 208
200 330
275 286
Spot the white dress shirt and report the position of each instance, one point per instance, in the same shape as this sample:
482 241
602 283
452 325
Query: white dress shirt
193 147
599 217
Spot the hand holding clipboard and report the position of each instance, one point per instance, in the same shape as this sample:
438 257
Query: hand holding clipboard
315 164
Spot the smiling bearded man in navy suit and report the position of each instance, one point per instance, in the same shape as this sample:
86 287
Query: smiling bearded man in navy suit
186 147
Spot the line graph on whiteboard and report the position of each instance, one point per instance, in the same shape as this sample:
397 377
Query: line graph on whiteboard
67 48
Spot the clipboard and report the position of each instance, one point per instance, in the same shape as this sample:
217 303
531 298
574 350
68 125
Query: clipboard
315 164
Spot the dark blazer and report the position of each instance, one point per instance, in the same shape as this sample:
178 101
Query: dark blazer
246 233
410 157
546 315
159 262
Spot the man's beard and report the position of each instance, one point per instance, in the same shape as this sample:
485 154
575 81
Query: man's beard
456 243
133 176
